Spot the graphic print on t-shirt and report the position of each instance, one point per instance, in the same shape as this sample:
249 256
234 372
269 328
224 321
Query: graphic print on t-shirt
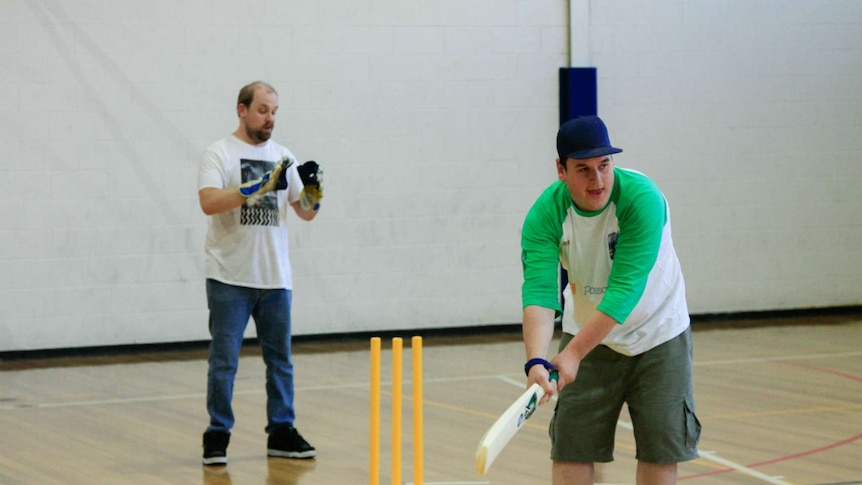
265 211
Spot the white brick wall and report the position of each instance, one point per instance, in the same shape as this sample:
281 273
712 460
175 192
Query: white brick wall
748 114
434 122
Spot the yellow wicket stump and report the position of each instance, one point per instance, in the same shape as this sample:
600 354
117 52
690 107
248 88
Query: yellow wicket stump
374 431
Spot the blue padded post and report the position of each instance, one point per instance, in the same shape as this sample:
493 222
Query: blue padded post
578 88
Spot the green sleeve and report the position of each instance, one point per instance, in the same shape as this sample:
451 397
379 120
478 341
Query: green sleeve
642 213
540 248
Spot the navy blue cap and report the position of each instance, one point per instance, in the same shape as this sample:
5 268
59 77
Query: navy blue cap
584 137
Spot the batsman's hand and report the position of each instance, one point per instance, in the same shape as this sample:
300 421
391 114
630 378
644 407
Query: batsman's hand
546 378
275 179
311 175
567 367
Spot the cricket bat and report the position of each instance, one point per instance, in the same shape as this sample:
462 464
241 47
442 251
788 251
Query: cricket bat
507 425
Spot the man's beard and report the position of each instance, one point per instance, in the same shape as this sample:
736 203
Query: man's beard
260 135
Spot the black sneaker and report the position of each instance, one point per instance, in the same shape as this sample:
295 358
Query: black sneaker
215 447
286 442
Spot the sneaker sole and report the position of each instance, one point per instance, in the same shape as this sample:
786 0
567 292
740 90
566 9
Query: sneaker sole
303 455
216 460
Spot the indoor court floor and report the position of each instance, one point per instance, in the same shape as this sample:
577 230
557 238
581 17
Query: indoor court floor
780 403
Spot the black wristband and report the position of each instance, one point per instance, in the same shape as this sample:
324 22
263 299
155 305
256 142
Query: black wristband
537 361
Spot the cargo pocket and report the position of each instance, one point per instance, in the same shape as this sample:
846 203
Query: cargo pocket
692 424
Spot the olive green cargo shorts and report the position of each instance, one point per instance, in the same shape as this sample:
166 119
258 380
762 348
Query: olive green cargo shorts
657 388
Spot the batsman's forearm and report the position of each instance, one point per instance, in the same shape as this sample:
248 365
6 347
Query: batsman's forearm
597 327
538 329
216 201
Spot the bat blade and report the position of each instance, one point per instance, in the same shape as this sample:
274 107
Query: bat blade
506 427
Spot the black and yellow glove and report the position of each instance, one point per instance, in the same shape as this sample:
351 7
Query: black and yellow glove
312 178
275 179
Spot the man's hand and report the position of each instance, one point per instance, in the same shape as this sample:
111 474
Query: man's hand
312 178
275 179
539 374
567 366
592 333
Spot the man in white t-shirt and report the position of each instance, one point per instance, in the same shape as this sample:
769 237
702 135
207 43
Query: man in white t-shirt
246 183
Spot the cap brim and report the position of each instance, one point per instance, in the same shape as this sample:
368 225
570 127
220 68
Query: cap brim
593 152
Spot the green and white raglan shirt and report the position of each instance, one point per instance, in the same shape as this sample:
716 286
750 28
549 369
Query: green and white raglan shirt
620 260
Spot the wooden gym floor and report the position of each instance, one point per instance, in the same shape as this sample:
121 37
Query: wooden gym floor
780 403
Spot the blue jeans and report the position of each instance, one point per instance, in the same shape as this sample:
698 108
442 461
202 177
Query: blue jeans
230 308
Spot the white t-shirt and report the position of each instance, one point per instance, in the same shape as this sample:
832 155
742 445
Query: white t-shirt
248 246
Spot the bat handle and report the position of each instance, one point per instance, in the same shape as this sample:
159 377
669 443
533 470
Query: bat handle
554 375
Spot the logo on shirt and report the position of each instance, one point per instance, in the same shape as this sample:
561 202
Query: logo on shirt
612 244
265 212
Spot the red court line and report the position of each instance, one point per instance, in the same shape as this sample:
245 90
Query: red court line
837 444
811 452
845 375
779 459
705 474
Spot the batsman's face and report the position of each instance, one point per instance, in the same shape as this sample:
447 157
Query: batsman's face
590 181
259 118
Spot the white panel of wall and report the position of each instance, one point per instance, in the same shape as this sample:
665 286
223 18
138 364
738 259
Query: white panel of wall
748 114
435 123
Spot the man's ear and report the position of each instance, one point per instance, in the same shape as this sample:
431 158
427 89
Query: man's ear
241 110
561 169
